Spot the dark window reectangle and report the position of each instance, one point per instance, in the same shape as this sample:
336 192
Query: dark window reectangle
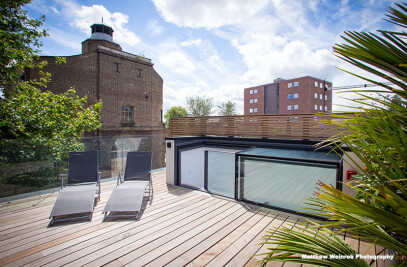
127 114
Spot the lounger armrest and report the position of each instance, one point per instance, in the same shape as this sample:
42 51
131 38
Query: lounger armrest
99 180
119 178
62 176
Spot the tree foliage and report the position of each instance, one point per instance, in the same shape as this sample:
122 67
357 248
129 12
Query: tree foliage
49 122
378 138
175 111
30 113
200 106
19 41
227 109
35 124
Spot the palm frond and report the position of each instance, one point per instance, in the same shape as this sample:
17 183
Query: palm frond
377 139
310 245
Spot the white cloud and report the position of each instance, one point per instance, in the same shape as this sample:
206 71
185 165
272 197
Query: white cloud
214 62
55 10
154 28
255 41
231 92
176 95
172 97
208 13
269 57
82 17
192 42
178 62
65 39
276 38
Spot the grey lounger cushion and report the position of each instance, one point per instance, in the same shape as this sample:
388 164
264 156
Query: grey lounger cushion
75 199
126 197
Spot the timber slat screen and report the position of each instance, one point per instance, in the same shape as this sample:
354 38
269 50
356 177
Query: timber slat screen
298 126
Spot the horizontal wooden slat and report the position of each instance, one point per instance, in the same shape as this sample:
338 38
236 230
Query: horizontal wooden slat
298 126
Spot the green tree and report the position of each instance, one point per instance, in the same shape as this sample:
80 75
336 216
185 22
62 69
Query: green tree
51 121
19 41
378 137
200 106
175 111
227 109
49 124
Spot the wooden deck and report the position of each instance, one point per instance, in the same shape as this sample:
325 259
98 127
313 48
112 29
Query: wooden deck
179 227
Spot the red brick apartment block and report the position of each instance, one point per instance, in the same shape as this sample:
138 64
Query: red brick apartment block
294 96
254 100
128 86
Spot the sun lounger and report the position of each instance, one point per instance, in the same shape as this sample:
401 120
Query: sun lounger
77 198
128 196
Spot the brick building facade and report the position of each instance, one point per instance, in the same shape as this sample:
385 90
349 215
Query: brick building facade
128 86
294 96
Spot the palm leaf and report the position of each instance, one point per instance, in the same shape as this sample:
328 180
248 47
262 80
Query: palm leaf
377 136
320 245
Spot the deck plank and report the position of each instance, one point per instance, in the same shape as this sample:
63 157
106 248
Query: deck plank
127 229
205 244
83 242
53 232
160 248
205 231
143 235
178 227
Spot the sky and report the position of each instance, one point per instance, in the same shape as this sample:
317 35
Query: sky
216 48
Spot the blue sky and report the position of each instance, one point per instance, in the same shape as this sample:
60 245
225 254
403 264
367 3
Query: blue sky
217 48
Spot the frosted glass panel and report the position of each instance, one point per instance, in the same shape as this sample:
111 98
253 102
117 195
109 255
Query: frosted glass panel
192 167
221 173
281 183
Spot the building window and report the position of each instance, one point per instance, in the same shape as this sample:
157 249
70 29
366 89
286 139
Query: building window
255 91
326 108
320 85
295 107
290 85
251 110
117 67
290 96
296 84
161 116
320 108
289 107
140 75
127 114
255 100
326 97
316 84
296 95
251 92
255 110
320 96
316 107
251 101
316 96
